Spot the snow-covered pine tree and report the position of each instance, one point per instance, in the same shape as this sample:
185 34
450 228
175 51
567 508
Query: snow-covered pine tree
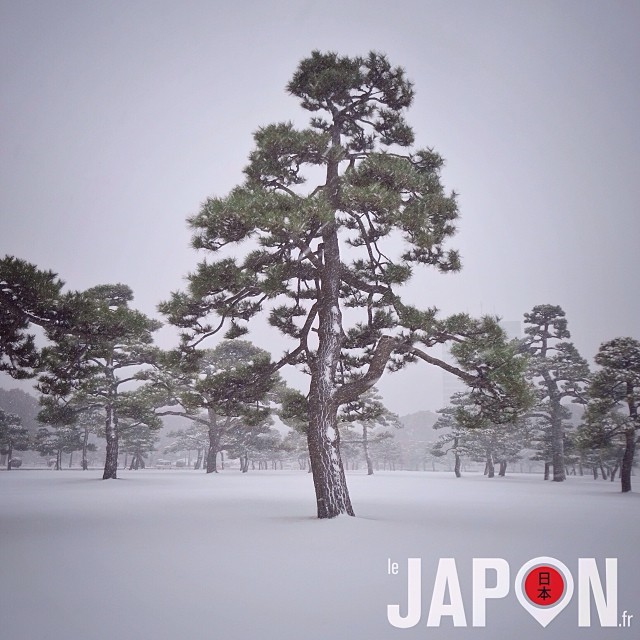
479 440
363 415
103 349
28 296
13 436
616 389
558 371
301 255
209 388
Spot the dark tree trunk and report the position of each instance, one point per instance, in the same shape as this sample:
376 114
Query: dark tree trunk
614 471
212 453
85 444
457 465
490 468
332 495
547 469
627 459
365 445
70 459
111 433
9 456
212 466
503 469
595 472
557 444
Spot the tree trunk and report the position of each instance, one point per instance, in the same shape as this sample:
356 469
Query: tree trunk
212 456
9 456
603 471
503 469
198 459
456 468
365 445
70 459
332 495
557 436
627 459
111 433
490 468
85 443
614 471
547 468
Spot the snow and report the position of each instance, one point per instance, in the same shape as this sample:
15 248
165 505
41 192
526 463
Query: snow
179 554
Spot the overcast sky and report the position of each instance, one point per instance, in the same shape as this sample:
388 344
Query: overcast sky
118 118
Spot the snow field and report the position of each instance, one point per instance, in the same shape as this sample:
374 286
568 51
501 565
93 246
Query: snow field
177 554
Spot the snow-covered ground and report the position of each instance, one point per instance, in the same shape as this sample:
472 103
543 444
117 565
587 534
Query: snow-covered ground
177 554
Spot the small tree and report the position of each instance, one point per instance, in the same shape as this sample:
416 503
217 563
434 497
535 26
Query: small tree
13 436
481 441
303 255
616 390
193 438
209 388
368 413
558 371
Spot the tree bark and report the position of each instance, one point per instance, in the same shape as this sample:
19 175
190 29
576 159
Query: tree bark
547 468
557 439
456 468
111 433
490 468
503 469
365 446
85 443
627 459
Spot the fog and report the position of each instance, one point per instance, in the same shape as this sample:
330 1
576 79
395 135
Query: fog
117 120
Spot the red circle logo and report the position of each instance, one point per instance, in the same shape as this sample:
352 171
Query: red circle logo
544 585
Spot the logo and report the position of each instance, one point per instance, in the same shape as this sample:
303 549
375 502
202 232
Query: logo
544 586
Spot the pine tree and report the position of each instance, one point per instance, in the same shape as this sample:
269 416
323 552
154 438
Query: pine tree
193 438
312 252
28 296
559 372
615 393
102 350
367 413
13 436
210 389
480 441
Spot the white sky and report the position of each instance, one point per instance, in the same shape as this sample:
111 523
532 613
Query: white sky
118 118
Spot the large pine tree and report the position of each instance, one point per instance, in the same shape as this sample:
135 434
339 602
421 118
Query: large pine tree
301 255
559 373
